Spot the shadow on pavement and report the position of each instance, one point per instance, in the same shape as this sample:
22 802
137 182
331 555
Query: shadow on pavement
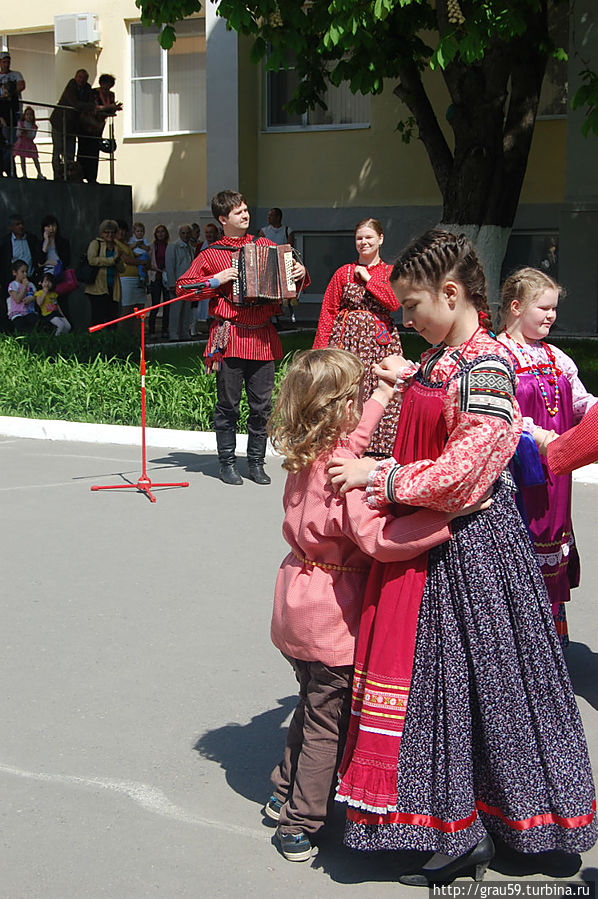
248 752
205 464
583 669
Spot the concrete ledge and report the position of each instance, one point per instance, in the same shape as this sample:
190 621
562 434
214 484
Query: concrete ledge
197 441
49 429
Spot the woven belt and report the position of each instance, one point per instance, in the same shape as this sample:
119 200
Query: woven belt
326 566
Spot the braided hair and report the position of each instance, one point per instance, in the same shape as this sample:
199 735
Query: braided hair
439 254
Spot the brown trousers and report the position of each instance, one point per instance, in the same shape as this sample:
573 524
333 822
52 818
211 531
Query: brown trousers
305 777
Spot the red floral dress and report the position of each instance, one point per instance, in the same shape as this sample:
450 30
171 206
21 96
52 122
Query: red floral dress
355 317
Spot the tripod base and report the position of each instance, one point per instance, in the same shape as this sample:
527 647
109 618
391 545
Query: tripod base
143 485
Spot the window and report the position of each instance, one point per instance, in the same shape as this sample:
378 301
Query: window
344 108
539 249
323 252
33 55
168 89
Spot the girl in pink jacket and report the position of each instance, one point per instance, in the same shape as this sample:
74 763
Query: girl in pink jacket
320 585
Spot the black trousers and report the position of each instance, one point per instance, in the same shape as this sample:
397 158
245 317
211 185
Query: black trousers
159 293
88 152
258 378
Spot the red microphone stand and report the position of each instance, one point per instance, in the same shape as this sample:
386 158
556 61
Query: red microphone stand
144 484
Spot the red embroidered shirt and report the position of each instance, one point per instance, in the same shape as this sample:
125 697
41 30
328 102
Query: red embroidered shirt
483 423
253 336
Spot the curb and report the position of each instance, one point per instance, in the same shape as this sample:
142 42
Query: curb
127 435
122 435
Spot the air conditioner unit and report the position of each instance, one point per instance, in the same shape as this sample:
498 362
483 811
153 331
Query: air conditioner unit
76 30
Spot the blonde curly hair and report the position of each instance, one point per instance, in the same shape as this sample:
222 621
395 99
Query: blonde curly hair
310 414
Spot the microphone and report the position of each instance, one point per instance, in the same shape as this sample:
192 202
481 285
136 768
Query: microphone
209 283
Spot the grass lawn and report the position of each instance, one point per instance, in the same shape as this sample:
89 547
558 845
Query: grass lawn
95 378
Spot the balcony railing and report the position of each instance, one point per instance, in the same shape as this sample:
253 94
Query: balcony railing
53 148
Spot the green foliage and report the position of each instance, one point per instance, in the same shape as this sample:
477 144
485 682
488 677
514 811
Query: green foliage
587 97
96 378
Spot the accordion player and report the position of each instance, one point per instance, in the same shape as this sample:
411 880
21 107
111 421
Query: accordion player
264 275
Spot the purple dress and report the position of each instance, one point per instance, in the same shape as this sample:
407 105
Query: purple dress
548 505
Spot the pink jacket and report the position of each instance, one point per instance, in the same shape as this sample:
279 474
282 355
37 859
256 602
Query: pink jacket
317 609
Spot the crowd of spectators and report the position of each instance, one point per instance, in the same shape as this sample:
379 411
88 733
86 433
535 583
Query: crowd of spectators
121 270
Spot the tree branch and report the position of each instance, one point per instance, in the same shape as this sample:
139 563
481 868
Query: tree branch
411 91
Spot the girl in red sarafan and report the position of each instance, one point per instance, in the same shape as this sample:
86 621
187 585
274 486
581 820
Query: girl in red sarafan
320 584
356 317
464 722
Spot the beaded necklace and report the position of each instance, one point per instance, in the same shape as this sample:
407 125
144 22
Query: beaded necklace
551 376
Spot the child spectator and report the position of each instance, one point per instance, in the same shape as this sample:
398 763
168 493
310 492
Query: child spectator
25 144
49 307
20 302
320 585
141 251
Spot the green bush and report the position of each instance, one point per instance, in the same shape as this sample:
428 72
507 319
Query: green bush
95 378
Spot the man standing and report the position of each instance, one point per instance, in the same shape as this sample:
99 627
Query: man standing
275 230
65 122
179 256
15 84
17 244
242 344
11 77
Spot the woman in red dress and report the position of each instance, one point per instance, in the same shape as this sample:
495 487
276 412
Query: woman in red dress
356 317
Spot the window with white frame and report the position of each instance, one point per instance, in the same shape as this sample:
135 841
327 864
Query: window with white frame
344 109
168 88
32 54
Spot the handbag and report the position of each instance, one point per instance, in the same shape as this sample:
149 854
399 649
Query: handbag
85 272
68 282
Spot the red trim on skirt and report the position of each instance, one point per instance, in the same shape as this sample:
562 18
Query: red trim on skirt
361 817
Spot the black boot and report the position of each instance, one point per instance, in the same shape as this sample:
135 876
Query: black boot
256 451
226 442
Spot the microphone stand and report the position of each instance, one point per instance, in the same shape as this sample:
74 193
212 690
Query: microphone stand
144 484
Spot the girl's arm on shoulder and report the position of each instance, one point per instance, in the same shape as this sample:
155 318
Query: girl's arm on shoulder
373 410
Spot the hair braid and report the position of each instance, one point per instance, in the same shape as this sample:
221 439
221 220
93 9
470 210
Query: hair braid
438 254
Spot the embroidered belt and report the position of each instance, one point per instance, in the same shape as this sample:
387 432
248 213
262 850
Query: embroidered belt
326 566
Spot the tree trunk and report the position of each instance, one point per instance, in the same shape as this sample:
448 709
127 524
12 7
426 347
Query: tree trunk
490 242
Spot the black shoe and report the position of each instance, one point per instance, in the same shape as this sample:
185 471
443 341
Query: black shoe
273 808
229 473
294 846
255 472
473 862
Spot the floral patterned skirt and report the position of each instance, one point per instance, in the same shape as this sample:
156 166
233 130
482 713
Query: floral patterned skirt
369 333
493 740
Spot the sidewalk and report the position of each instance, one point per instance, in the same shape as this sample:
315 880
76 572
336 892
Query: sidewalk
143 704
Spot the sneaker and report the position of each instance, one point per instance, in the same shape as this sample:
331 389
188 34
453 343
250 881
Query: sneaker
272 808
294 846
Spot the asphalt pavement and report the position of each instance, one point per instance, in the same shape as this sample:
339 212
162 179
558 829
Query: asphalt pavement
142 704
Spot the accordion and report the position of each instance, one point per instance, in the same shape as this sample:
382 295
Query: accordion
264 275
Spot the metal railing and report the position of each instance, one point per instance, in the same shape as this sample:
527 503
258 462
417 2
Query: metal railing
59 155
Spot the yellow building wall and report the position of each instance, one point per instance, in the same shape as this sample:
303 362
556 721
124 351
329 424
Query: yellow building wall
166 172
373 166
